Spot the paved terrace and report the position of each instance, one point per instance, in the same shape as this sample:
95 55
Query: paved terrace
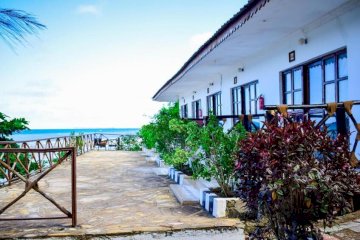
118 194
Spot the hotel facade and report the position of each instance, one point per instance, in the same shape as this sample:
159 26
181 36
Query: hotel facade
272 52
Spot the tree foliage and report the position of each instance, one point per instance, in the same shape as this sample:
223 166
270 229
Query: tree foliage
296 175
160 134
16 24
10 126
204 151
147 135
215 150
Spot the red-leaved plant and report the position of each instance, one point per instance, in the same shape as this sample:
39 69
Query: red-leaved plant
295 175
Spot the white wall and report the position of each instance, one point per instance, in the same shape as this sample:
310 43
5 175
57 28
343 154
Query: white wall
342 31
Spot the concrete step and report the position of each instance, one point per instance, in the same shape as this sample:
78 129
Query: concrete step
183 195
200 183
192 186
208 184
161 171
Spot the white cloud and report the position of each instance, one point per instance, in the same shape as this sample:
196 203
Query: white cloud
88 9
197 40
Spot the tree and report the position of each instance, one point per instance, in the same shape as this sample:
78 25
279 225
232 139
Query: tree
8 127
16 24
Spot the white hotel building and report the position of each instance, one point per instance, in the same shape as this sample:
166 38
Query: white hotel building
287 51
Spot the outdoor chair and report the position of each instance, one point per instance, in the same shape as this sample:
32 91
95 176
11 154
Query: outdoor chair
100 143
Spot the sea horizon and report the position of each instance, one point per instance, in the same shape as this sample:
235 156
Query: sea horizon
33 134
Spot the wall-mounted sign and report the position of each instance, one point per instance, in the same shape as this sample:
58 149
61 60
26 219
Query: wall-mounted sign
291 56
235 80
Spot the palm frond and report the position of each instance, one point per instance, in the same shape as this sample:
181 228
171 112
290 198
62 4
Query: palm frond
16 24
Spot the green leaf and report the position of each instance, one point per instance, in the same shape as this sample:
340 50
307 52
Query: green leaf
280 192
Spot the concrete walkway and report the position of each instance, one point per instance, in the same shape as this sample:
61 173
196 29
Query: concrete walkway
118 194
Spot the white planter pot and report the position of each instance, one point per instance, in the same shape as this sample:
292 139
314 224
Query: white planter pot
208 198
202 196
176 175
220 206
161 163
182 178
170 171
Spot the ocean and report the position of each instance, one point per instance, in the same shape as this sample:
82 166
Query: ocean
34 134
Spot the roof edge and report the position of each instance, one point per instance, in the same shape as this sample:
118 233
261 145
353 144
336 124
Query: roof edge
243 14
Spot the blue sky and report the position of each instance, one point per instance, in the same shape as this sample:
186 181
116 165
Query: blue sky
99 62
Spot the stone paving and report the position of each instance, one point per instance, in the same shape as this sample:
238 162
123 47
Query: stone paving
347 230
118 194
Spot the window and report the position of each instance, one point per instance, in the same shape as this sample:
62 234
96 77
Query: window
329 77
325 80
214 104
249 98
184 111
292 85
196 109
244 100
315 82
236 103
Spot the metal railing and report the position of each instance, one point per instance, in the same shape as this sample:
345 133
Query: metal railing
24 164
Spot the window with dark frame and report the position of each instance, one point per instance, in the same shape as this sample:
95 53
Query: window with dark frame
214 104
249 98
328 76
196 109
292 86
236 102
184 111
322 80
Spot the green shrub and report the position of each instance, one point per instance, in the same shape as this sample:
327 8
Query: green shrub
210 148
148 135
214 152
128 143
165 134
77 141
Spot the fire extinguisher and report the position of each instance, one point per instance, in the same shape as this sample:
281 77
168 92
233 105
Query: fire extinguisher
261 100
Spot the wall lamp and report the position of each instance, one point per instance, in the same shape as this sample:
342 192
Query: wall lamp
303 41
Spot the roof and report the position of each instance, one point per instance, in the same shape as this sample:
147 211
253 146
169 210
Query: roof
227 29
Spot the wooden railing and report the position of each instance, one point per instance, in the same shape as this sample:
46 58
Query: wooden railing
54 142
248 121
30 165
114 141
341 113
82 142
29 161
